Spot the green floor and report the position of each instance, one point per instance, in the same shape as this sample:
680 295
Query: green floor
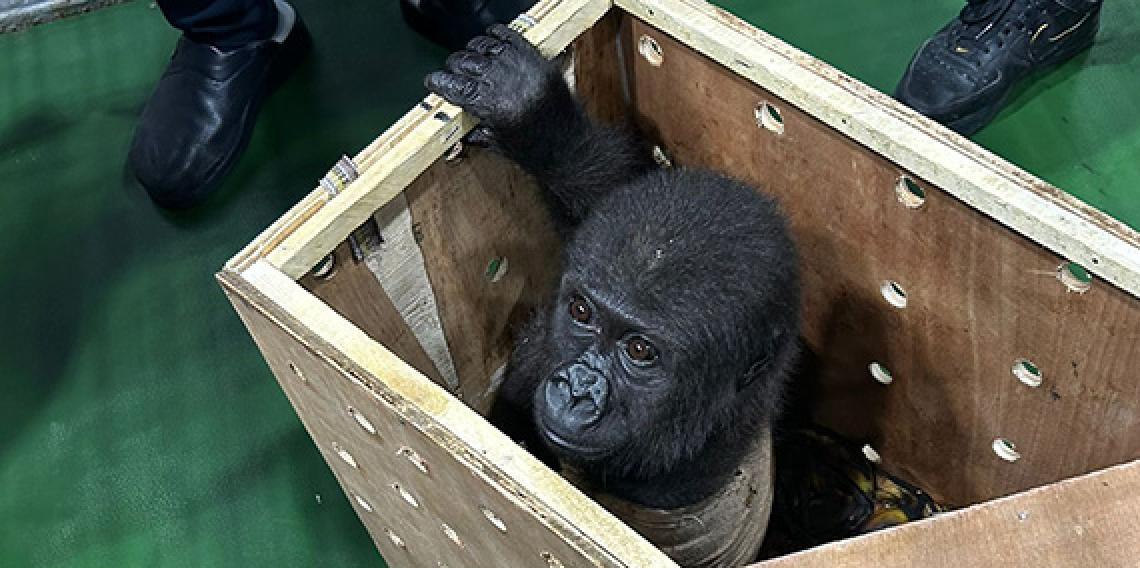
138 424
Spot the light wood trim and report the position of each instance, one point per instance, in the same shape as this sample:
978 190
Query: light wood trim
313 228
445 418
1081 522
1001 190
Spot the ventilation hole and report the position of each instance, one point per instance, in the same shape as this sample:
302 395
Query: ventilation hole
769 117
362 421
1006 450
325 268
496 268
661 157
551 560
406 495
909 193
362 502
297 371
450 532
880 373
871 455
454 153
893 293
344 455
1074 277
495 520
650 50
1027 372
396 540
414 458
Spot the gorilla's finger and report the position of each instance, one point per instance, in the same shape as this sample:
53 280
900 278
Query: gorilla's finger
486 45
467 63
456 89
481 136
509 35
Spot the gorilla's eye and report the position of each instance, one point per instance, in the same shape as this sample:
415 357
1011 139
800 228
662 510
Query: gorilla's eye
579 309
640 350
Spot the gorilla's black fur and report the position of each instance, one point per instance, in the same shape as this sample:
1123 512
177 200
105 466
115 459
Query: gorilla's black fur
666 348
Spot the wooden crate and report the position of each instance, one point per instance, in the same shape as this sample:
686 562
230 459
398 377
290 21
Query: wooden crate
390 360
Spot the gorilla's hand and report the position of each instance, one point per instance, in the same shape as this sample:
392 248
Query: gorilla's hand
500 78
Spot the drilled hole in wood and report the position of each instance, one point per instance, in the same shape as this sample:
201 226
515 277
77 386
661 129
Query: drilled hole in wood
880 373
1027 372
364 504
871 455
344 455
497 268
414 458
451 534
1074 277
909 193
551 560
362 421
661 157
396 540
769 117
650 50
893 293
406 495
1006 450
297 371
495 520
325 268
454 153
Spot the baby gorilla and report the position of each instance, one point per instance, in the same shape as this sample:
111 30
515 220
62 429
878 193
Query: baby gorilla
663 355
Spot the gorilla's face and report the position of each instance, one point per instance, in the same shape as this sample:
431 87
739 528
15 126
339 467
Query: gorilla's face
612 371
619 380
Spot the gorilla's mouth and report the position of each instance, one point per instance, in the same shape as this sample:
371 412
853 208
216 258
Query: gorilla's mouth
577 450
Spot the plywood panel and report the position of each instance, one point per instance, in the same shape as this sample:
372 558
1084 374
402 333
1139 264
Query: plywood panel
979 298
354 293
425 497
1089 521
491 254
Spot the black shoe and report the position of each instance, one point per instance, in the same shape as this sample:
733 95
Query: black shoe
452 23
200 116
962 76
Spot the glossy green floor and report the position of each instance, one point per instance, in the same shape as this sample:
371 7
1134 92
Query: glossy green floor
138 424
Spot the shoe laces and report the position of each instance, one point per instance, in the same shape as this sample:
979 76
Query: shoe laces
978 18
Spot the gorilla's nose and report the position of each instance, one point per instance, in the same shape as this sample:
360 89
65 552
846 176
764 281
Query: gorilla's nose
586 382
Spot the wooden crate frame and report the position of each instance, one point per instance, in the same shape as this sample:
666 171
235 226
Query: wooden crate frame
436 485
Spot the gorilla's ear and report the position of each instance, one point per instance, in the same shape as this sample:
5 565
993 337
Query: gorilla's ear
762 364
754 372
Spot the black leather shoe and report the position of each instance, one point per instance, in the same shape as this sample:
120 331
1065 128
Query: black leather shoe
453 23
963 75
200 116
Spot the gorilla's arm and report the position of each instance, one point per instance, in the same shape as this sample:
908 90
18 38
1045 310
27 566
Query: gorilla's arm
528 113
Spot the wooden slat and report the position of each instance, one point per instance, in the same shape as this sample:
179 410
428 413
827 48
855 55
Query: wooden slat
1084 522
963 169
326 366
979 298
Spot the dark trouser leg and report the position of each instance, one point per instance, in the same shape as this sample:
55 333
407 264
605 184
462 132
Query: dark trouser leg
222 23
